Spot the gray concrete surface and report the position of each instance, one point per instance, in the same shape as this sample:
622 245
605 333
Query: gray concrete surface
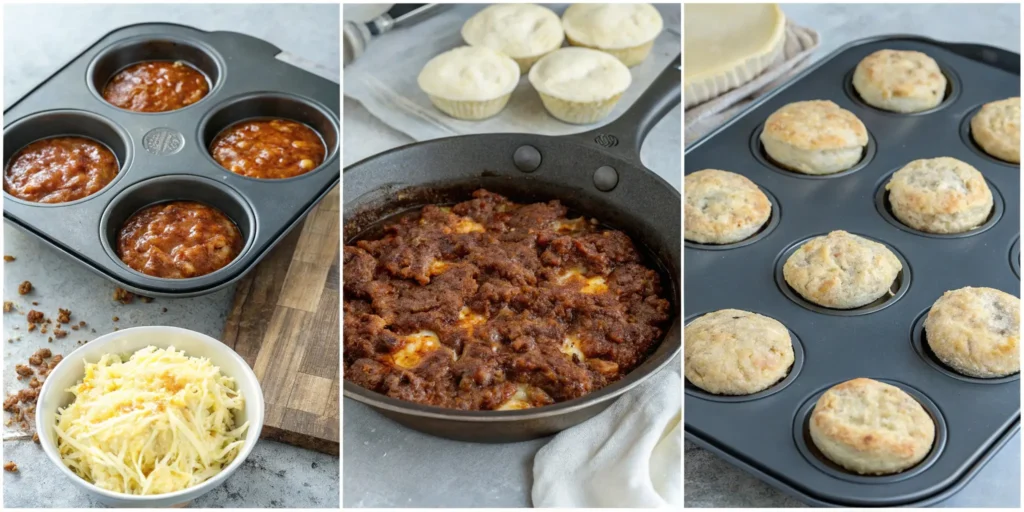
378 452
275 475
711 482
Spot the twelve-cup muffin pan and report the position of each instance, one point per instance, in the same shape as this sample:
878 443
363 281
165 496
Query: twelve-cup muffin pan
164 156
766 434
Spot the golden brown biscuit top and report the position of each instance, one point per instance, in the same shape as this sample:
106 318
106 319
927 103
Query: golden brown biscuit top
903 73
938 185
816 125
873 416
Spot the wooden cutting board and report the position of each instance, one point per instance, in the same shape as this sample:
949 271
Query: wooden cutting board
285 323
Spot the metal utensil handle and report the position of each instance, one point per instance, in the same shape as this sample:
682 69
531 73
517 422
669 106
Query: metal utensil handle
626 134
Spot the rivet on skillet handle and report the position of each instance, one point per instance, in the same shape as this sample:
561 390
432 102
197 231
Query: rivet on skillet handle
526 158
624 136
605 178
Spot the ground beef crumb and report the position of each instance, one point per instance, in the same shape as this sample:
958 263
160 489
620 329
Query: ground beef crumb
145 299
23 370
24 287
8 306
63 315
35 317
35 437
116 319
43 330
74 327
44 352
81 323
35 360
56 359
123 296
8 257
31 327
60 333
163 310
10 467
34 383
11 403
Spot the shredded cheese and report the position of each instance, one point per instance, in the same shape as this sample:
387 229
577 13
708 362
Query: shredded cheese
157 423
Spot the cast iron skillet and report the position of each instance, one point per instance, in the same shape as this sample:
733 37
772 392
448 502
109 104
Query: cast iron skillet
597 173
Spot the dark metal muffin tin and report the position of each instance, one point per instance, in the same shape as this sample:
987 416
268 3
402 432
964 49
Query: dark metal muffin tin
164 156
767 436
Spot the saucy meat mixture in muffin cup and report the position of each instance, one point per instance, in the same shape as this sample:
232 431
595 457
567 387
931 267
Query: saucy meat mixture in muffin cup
179 239
60 169
157 86
268 148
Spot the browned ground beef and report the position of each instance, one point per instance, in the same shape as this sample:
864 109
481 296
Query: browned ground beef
486 279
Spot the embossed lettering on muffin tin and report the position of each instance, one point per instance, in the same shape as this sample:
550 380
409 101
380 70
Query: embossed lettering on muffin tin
919 338
794 372
897 290
950 97
885 210
237 66
804 443
980 419
965 135
757 149
766 229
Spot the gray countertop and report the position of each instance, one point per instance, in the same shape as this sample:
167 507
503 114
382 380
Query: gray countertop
710 481
275 475
378 452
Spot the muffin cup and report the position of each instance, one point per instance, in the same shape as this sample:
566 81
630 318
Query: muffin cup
629 56
579 112
468 109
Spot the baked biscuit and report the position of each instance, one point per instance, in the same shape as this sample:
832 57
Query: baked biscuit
996 128
940 195
841 270
734 352
814 137
900 81
723 207
871 428
976 331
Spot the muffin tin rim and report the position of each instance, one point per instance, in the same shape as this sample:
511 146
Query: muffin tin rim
869 152
774 219
881 199
919 340
801 437
799 357
953 88
968 138
123 167
215 56
905 275
331 152
250 238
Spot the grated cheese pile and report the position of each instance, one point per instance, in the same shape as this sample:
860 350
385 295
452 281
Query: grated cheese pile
157 423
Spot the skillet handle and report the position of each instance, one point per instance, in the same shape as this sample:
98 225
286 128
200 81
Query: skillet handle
626 134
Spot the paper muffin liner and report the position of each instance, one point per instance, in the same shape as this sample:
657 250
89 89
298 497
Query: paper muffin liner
579 112
629 56
470 110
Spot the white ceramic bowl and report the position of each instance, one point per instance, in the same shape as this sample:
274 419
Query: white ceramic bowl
72 368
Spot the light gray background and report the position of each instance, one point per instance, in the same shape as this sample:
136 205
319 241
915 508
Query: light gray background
712 482
39 39
387 465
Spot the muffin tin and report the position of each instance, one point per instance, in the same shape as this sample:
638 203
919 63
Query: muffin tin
164 156
767 435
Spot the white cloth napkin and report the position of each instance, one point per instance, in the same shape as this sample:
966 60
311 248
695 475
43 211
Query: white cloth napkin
383 79
629 456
